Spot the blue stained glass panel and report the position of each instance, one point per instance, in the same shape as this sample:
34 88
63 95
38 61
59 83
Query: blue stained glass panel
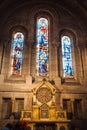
17 52
42 47
67 56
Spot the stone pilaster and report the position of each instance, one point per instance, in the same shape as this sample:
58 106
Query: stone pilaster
0 107
6 57
13 105
1 61
54 65
72 107
83 56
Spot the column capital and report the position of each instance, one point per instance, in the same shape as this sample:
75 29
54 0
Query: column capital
12 100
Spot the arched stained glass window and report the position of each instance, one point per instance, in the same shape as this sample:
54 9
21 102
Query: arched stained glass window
42 47
16 53
67 56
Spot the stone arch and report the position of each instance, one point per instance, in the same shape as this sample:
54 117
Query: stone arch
68 32
49 13
75 30
11 31
19 28
71 35
75 52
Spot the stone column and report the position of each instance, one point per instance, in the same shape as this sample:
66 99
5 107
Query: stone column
57 126
0 106
34 96
13 105
53 99
2 50
27 61
33 58
84 57
6 55
32 126
61 102
78 69
1 55
72 107
54 65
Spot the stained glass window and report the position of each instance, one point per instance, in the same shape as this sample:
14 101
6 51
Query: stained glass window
42 47
67 56
16 53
